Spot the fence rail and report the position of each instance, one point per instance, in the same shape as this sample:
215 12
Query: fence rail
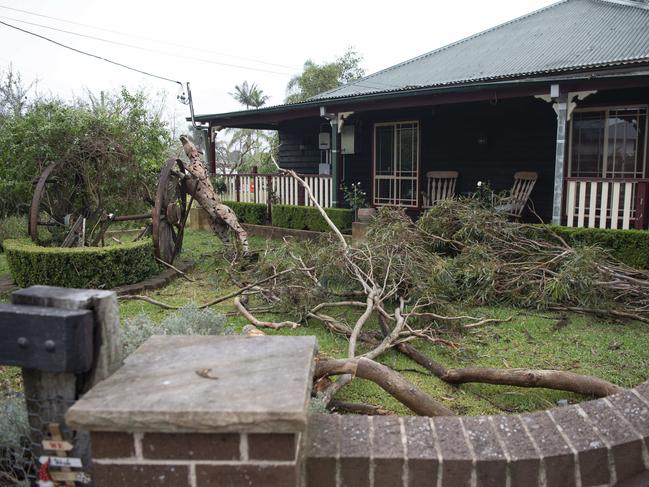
607 203
276 188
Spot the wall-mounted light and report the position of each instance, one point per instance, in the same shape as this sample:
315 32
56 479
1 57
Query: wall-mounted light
482 139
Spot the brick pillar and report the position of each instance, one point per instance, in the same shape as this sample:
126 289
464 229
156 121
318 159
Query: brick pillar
202 411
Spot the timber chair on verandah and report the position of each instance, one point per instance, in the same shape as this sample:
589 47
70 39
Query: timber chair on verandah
440 186
519 195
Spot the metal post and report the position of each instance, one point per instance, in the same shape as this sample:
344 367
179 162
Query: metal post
561 107
334 162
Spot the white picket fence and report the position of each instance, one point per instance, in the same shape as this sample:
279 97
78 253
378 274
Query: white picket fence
253 188
602 203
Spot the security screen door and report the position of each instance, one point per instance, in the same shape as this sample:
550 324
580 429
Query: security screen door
396 163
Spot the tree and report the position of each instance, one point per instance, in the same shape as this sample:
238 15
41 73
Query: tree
249 95
245 147
13 93
113 142
318 78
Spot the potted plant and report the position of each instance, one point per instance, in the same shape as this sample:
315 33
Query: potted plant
356 198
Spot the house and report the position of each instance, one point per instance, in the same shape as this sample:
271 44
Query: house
562 91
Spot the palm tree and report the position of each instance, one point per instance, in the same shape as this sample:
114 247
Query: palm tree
249 95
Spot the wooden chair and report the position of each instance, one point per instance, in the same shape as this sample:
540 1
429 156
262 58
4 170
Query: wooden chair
441 185
524 182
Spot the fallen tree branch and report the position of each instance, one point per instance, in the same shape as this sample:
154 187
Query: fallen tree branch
602 312
386 378
184 275
218 300
356 408
550 379
266 324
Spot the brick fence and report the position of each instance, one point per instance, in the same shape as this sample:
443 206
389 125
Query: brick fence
602 442
233 412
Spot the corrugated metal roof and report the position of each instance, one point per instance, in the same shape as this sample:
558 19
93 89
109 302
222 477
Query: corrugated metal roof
566 36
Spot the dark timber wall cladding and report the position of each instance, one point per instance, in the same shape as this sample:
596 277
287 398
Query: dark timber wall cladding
484 141
298 148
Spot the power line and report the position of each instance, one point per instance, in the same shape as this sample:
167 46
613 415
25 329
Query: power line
147 49
183 46
91 55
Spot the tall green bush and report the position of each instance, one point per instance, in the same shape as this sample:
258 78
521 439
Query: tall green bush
114 143
309 218
81 267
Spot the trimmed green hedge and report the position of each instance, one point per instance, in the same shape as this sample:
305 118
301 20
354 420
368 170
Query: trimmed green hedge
80 267
253 213
309 218
628 246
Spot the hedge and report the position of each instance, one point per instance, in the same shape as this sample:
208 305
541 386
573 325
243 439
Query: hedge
253 213
309 218
80 267
628 246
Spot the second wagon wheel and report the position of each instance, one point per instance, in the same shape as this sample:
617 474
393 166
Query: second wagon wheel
170 211
57 202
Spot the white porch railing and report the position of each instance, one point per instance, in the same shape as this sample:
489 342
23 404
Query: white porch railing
606 203
254 188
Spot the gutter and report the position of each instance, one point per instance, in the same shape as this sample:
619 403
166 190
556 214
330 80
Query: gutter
407 93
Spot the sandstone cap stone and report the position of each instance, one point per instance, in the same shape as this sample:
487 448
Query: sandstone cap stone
204 384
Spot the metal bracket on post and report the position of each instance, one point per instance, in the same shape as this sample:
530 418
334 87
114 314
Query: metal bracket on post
66 341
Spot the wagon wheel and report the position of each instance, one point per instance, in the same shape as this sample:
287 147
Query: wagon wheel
170 211
57 202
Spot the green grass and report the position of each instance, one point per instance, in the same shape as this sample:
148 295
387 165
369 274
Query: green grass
610 350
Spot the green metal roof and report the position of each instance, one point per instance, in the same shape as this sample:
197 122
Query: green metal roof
565 38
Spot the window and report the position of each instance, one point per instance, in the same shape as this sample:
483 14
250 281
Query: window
396 163
608 143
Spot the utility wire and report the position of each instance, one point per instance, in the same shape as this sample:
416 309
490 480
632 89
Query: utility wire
92 55
183 46
141 48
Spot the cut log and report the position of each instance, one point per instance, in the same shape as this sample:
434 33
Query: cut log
222 218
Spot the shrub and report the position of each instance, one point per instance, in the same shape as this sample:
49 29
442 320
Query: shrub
628 246
12 227
83 267
188 320
253 213
309 218
16 461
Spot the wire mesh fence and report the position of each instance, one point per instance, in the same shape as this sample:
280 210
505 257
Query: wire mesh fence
24 424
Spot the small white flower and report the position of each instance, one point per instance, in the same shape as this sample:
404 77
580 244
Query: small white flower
479 184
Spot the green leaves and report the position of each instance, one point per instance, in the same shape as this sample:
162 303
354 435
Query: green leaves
115 141
318 78
82 267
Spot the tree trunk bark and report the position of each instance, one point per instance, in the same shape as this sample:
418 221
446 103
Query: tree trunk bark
550 379
389 380
222 217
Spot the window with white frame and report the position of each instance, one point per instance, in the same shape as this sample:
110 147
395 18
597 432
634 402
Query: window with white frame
396 163
608 142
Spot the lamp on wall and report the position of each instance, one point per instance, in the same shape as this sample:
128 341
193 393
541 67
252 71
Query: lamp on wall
482 139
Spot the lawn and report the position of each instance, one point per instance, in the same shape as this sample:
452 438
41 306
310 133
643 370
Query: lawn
4 267
610 350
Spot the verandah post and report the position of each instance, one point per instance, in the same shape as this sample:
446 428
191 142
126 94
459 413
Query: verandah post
561 108
642 192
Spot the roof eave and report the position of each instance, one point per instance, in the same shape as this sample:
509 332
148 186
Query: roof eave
271 116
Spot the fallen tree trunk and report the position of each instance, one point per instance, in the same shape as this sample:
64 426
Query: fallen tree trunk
386 378
200 187
550 379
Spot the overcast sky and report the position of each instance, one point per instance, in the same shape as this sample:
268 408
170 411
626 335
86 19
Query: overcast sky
271 38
